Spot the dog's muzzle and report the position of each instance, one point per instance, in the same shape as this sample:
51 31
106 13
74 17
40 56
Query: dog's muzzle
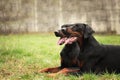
64 37
61 33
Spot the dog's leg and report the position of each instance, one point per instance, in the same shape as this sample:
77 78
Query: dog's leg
64 71
50 70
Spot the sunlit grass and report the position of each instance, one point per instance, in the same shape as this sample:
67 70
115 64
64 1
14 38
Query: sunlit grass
22 56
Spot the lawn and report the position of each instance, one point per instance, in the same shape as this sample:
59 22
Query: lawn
23 55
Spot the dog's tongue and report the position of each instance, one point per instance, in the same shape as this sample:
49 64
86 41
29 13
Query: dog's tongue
61 41
70 40
67 40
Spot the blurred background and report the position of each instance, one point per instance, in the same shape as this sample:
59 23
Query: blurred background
34 16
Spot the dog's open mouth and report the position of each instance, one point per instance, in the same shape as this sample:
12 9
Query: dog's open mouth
66 40
66 37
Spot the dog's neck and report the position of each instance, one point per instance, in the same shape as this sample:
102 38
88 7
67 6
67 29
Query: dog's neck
80 42
87 43
91 41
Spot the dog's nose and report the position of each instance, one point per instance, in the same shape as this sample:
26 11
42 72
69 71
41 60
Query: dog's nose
57 34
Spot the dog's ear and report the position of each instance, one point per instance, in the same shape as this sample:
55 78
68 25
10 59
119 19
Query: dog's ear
88 31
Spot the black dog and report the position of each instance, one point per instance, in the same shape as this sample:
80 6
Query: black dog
82 53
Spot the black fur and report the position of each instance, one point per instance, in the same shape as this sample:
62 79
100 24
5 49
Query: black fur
85 54
97 58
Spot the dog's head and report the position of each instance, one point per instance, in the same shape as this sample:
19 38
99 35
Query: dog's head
70 33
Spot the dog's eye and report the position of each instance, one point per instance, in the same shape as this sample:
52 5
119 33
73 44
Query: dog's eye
74 28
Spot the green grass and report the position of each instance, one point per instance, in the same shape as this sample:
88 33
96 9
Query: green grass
22 56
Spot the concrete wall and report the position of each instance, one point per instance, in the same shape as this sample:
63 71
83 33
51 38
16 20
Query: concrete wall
48 15
102 15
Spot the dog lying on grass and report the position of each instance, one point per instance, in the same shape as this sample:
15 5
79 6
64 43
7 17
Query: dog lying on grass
83 53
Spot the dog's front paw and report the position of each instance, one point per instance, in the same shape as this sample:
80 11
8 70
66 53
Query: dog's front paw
44 70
